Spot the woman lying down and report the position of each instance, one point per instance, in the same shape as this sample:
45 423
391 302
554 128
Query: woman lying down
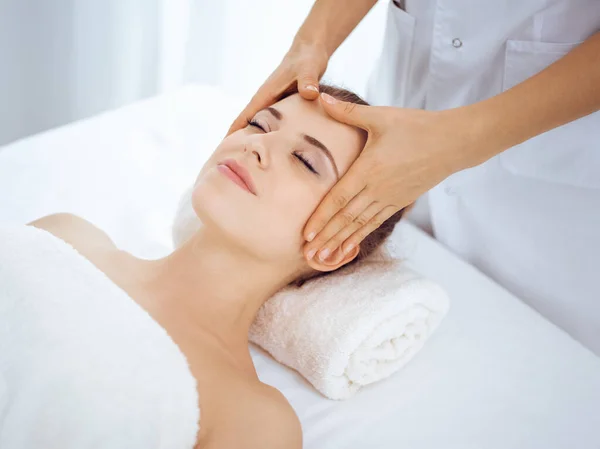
253 197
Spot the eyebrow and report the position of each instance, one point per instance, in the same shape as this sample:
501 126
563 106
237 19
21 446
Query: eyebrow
311 140
275 113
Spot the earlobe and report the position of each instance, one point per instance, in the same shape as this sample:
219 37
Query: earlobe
335 261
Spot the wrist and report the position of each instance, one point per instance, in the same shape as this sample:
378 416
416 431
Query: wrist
484 133
311 45
503 121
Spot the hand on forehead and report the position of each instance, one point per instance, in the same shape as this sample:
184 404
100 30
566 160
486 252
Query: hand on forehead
295 115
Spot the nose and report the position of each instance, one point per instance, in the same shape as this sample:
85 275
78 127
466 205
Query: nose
259 150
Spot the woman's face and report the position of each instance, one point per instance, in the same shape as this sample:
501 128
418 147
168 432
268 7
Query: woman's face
288 158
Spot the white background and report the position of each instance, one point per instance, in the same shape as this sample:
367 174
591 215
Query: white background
63 60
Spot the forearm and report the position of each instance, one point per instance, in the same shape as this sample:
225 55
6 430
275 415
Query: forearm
565 91
331 21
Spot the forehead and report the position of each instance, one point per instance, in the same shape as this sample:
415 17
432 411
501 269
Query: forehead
308 117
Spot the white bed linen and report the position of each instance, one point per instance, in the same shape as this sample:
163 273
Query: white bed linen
495 375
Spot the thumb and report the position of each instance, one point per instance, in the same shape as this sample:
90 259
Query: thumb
353 114
308 85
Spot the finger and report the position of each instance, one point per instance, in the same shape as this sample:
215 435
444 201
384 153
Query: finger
337 240
335 200
353 114
308 85
344 218
265 96
356 238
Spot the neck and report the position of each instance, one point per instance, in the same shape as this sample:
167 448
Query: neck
211 284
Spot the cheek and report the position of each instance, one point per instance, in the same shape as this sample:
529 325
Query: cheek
274 227
270 227
294 206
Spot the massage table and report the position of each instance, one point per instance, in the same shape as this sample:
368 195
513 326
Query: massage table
496 374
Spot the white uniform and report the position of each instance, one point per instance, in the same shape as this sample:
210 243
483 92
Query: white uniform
529 217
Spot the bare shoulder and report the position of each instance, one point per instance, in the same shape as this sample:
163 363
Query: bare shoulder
76 231
274 424
264 420
277 408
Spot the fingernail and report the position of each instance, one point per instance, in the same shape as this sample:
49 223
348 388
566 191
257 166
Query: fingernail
311 236
311 253
328 98
349 248
323 254
311 87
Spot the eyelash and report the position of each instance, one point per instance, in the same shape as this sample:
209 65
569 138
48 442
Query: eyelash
306 162
298 156
256 125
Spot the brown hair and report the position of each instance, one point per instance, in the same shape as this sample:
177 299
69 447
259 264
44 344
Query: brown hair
374 240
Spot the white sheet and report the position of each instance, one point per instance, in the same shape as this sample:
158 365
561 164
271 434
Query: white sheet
495 375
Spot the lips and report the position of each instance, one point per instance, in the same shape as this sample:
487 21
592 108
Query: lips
238 174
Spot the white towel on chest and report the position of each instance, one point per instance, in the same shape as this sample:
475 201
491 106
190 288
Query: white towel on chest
81 364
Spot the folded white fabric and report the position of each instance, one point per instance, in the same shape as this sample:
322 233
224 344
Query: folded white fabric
345 330
81 364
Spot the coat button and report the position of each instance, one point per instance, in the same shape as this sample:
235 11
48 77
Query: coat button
456 42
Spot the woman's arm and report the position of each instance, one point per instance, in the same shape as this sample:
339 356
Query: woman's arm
410 151
564 91
331 21
327 25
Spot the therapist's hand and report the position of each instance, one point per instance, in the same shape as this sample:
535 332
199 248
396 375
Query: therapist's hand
408 151
304 65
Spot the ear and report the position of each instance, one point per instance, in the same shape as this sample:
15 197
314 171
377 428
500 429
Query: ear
334 261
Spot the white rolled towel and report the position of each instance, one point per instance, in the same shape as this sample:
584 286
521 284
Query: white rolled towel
346 330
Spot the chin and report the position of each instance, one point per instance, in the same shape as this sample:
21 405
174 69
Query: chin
239 218
223 210
214 202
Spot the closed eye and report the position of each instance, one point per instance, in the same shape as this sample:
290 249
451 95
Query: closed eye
306 162
296 154
255 124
